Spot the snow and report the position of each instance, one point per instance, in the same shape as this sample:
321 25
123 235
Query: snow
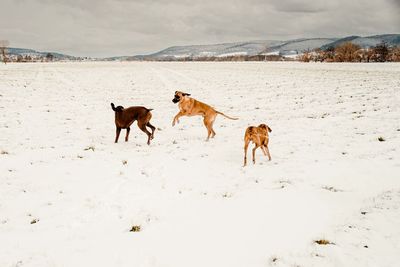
233 54
329 178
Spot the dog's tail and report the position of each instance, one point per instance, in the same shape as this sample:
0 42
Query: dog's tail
226 116
269 129
150 109
116 109
113 107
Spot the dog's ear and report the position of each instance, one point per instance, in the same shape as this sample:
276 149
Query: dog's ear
185 94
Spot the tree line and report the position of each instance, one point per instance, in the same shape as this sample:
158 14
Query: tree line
349 52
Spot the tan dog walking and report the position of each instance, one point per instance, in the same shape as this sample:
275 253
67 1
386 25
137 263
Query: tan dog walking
191 107
259 136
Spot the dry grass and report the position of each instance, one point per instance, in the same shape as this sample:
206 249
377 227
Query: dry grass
331 188
89 148
136 228
323 242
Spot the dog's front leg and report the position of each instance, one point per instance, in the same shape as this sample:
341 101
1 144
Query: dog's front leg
176 118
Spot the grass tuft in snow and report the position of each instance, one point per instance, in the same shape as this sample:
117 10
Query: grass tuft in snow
136 228
331 188
273 260
323 242
227 195
89 148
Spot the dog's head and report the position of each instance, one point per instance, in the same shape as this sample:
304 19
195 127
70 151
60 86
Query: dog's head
178 96
265 127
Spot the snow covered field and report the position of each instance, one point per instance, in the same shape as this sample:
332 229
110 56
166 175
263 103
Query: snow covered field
69 196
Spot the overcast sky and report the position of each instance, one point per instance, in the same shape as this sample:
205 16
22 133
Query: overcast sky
131 27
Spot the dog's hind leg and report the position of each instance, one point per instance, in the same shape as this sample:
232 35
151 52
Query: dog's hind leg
254 153
152 129
142 126
117 134
246 145
208 122
127 134
267 150
212 120
208 126
263 150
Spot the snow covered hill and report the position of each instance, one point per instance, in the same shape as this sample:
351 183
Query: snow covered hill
365 42
284 48
36 54
241 48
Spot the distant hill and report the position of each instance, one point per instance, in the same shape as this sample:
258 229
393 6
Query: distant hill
289 48
365 42
267 47
11 51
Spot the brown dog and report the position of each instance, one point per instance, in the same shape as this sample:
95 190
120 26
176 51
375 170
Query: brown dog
191 107
259 136
124 117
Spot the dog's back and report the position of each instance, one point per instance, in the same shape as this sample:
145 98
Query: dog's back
125 116
257 134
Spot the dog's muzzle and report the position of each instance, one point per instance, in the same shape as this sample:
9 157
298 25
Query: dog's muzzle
175 100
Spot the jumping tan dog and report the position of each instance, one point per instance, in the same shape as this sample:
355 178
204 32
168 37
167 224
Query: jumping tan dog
191 107
259 136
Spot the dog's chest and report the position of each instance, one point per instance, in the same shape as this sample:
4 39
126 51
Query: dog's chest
186 108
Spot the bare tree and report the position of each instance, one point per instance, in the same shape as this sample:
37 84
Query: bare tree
3 50
319 55
394 54
366 55
306 56
347 52
381 52
49 57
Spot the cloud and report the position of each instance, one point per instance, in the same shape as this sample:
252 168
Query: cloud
125 27
302 6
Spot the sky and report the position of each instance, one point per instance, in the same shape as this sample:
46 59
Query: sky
103 28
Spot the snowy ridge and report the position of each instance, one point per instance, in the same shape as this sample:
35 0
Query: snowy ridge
36 54
267 47
365 42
